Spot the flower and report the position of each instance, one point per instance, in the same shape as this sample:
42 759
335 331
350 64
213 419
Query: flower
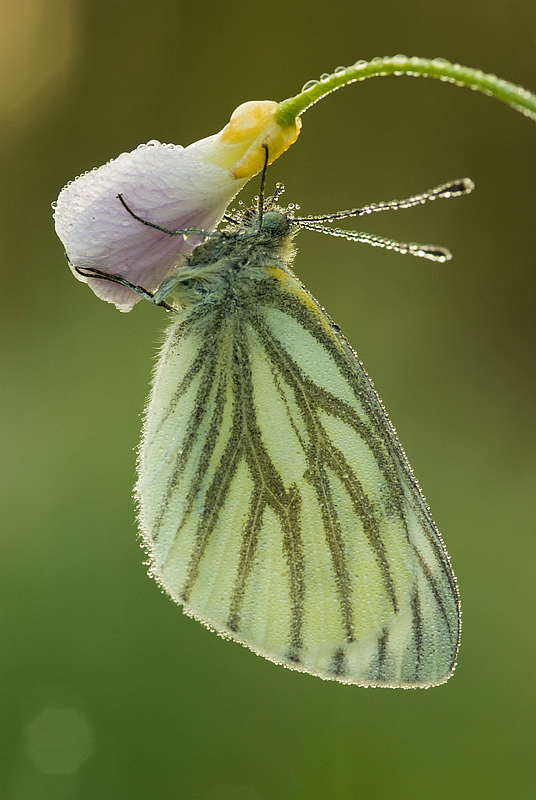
171 186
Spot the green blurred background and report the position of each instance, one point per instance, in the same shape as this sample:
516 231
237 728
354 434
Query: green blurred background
108 690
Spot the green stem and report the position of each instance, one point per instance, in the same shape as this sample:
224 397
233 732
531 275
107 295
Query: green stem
516 96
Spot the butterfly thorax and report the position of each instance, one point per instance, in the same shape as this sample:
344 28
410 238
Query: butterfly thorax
228 263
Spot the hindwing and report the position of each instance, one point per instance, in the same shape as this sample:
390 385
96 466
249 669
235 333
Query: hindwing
276 503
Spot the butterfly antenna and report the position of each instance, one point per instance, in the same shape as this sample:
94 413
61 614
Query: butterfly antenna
446 190
260 206
429 251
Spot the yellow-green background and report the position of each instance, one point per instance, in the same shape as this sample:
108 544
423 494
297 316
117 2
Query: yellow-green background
174 711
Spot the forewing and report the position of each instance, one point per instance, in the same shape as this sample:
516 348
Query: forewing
277 505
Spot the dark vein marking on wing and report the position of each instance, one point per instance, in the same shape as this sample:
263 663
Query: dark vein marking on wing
432 583
417 629
339 664
326 453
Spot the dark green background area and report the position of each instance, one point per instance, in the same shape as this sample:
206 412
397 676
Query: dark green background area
175 711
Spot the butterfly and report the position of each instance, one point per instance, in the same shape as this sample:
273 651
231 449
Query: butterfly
276 504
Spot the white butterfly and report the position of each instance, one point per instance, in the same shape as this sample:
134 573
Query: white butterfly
275 501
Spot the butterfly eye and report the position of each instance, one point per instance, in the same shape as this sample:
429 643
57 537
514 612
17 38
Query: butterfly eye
275 223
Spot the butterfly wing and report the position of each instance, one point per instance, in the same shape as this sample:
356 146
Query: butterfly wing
276 503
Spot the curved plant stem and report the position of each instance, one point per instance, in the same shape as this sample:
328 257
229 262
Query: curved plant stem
516 96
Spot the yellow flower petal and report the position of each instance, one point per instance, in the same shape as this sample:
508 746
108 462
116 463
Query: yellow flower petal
240 146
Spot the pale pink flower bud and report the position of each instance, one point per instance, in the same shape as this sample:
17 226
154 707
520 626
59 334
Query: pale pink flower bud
171 186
